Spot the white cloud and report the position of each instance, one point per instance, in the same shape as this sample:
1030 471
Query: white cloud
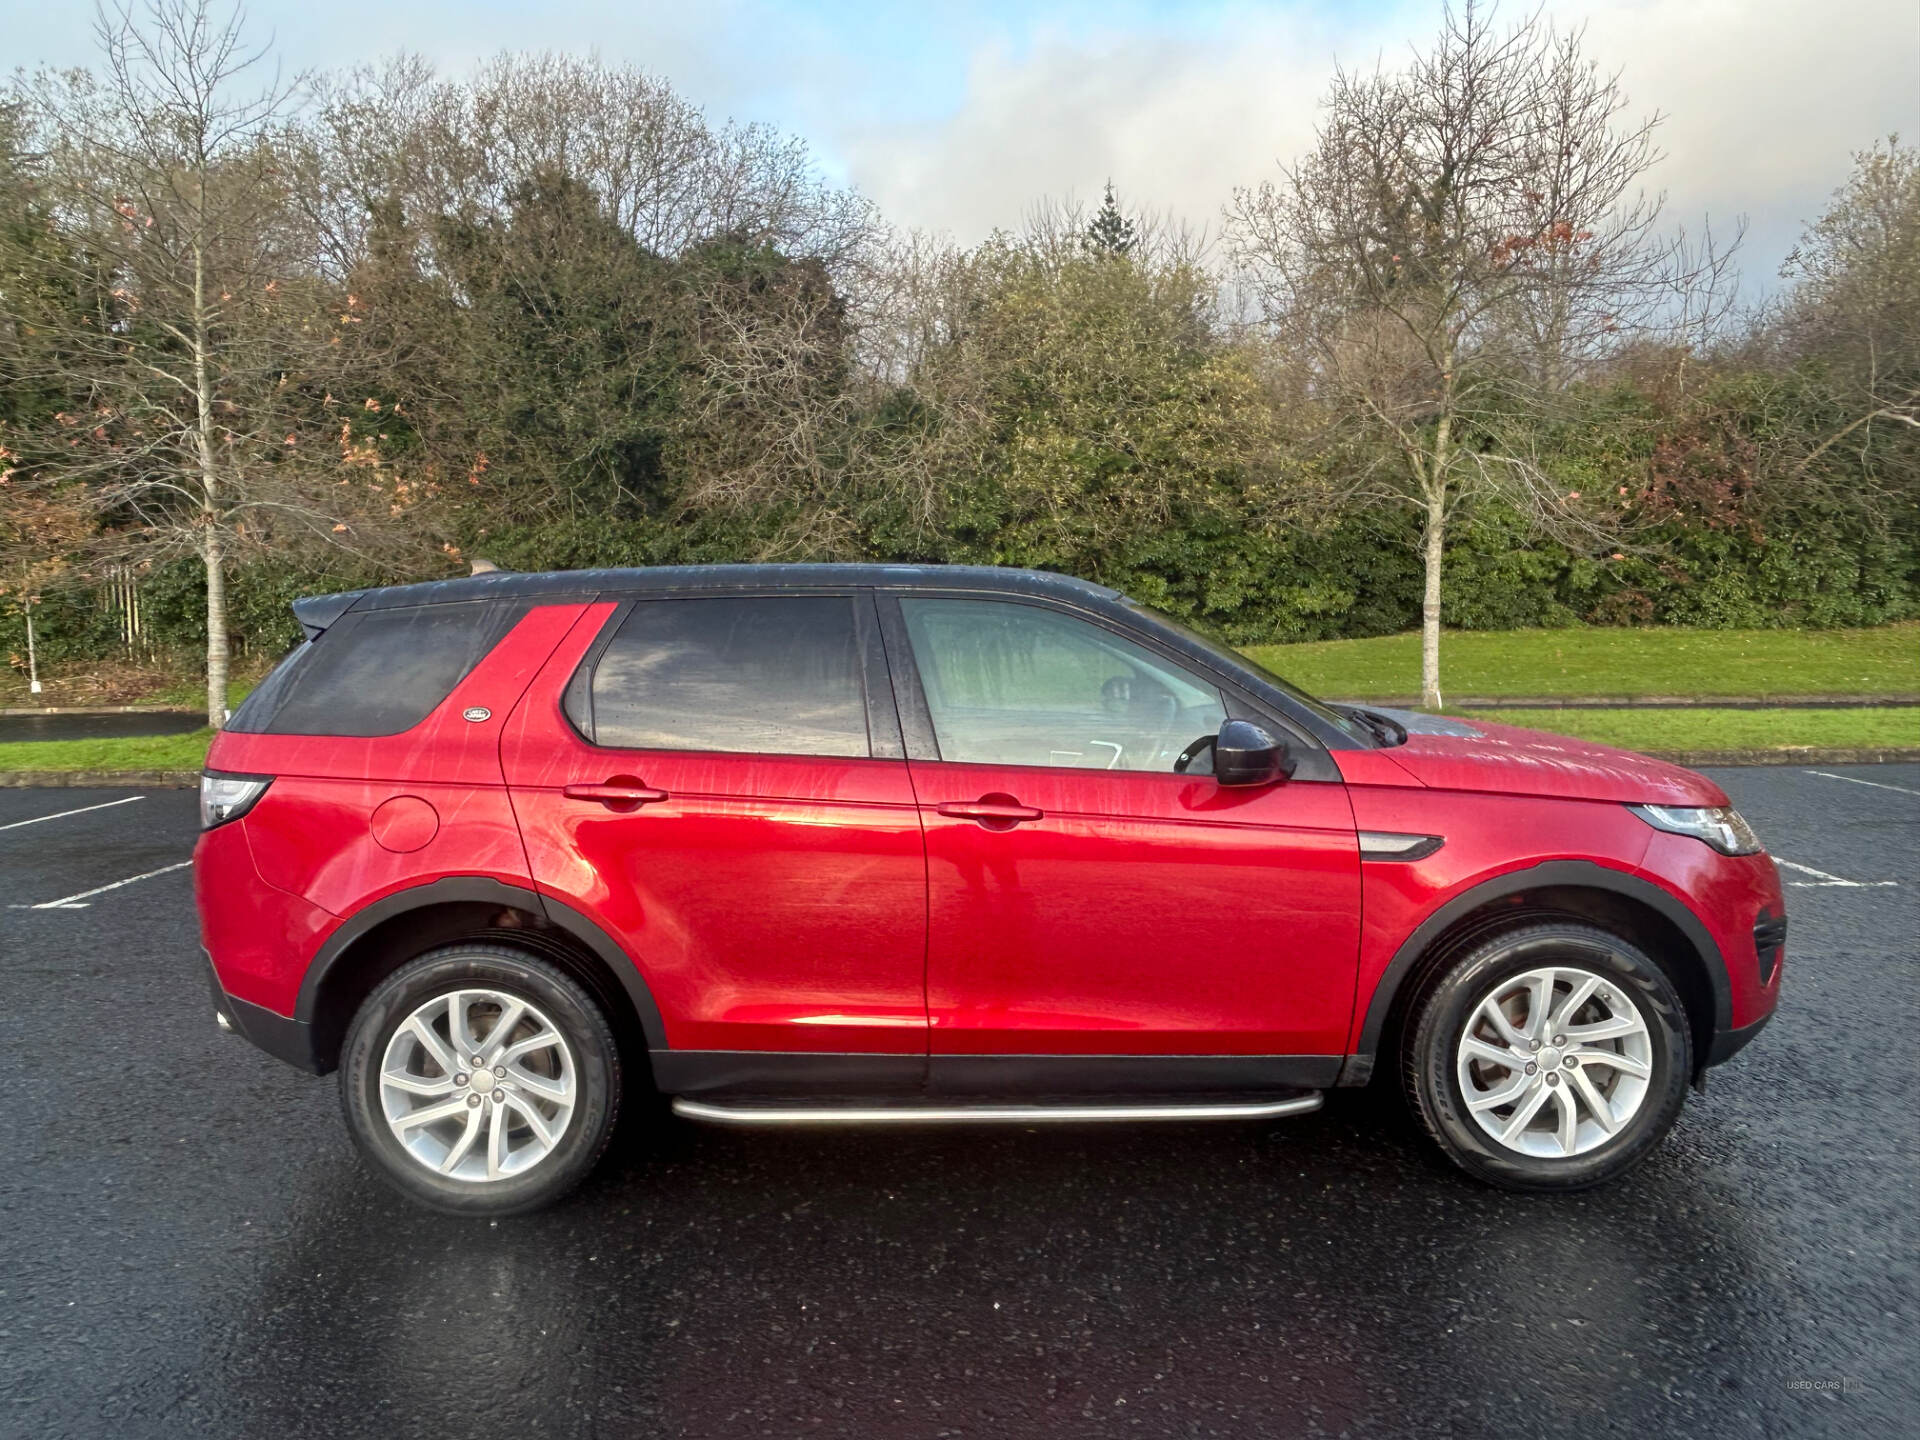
1764 101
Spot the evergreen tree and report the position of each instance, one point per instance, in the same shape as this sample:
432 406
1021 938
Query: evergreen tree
1110 232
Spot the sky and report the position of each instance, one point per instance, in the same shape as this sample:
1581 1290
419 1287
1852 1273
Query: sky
956 117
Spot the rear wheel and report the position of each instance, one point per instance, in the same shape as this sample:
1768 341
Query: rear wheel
1552 1057
481 1080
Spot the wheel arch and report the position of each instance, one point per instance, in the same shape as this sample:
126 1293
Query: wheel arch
375 941
1635 909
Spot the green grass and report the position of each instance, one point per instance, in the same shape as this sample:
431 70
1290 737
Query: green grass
140 752
1705 729
1609 662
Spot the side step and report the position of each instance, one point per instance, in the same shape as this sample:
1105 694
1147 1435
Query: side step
762 1112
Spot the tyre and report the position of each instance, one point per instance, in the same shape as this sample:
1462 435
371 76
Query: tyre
480 1080
1551 1057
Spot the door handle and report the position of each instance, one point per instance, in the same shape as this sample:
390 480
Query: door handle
619 793
996 812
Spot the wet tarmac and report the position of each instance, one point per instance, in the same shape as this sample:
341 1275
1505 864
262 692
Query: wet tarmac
190 1246
100 727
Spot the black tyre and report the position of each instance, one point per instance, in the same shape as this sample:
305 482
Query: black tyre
503 1136
1550 1057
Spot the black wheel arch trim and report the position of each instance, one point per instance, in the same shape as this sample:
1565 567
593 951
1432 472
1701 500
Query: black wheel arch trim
481 889
1549 874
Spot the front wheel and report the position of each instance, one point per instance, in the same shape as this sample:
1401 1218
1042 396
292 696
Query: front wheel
480 1080
1552 1057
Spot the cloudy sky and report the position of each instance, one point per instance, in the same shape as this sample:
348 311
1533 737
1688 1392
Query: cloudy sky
957 116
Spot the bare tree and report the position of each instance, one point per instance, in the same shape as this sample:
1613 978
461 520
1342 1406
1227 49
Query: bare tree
1856 305
1465 239
206 329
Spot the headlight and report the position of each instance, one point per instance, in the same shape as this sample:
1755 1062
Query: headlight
228 797
1722 828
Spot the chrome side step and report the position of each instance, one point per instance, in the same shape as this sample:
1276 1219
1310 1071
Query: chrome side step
918 1114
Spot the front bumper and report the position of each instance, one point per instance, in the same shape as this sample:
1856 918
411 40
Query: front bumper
281 1037
1729 1043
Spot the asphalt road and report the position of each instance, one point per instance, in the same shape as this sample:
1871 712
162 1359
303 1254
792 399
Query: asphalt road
189 1245
100 727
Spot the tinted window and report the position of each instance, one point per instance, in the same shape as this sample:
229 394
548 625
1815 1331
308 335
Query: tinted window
770 676
377 672
1011 684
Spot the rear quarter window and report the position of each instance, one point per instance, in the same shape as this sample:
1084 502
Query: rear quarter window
377 672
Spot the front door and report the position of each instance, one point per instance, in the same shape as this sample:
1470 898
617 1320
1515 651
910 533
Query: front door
717 781
1086 899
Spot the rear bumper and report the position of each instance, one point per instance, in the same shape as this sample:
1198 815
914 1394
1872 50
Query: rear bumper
283 1038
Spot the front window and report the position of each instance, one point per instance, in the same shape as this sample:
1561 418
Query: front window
1233 659
1013 684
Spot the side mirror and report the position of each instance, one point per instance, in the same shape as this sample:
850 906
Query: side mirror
1247 754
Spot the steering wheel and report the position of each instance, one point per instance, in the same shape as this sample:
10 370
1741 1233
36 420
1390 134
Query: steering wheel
1192 753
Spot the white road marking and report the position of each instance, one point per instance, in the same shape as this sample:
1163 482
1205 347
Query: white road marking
1821 879
68 902
61 815
1876 784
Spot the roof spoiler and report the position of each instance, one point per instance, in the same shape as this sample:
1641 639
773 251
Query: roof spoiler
316 612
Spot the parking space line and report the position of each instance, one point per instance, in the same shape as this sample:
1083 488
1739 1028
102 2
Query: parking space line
1821 879
1876 784
70 902
62 814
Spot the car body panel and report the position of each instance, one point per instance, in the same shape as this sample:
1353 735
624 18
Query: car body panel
771 903
1728 894
1141 913
1486 836
1507 760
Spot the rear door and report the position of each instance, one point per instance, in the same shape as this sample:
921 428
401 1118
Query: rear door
1097 919
718 781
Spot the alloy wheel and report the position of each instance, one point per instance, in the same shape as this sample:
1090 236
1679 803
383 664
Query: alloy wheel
478 1085
1555 1062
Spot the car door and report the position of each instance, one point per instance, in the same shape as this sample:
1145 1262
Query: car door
1088 900
718 782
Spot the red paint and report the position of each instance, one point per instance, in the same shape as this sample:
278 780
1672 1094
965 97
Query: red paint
1139 914
1507 760
772 903
404 823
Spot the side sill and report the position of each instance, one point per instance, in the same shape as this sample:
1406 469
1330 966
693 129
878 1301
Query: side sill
965 1079
750 1114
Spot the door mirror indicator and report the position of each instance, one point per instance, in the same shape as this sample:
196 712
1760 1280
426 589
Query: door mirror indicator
1247 754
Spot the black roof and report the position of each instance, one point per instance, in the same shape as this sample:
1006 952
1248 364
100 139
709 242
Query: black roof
316 612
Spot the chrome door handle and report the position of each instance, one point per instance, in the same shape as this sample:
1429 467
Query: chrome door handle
616 792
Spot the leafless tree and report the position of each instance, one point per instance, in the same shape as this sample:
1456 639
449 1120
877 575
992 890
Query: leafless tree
1856 304
1466 237
202 348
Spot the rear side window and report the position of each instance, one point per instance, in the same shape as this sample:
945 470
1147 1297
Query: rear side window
773 676
377 672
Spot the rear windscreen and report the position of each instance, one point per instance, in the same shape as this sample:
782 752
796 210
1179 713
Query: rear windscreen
376 672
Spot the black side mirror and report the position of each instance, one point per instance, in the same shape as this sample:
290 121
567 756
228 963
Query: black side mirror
1247 754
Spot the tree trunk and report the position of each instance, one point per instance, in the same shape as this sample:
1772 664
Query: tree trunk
1434 484
214 553
212 546
1436 530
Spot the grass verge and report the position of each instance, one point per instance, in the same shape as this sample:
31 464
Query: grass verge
1612 662
139 752
1704 729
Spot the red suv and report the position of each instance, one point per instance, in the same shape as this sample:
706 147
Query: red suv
875 844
